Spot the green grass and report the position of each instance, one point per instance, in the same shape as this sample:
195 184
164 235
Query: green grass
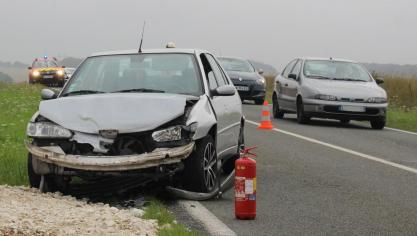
402 118
166 221
18 102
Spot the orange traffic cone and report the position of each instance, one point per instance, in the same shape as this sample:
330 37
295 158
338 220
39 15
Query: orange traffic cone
266 117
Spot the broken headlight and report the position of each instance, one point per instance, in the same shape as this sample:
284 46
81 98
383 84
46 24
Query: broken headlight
167 135
174 133
47 130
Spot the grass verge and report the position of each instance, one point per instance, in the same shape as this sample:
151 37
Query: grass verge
18 102
166 221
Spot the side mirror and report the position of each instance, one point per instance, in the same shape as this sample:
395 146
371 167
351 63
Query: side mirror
47 94
260 71
225 90
379 80
293 76
29 68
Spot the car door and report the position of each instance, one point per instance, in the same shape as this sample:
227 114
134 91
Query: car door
282 87
293 86
226 108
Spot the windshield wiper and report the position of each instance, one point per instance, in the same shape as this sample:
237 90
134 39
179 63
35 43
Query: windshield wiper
81 92
319 77
350 79
143 90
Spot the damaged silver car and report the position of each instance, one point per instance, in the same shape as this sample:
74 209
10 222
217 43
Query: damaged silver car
168 112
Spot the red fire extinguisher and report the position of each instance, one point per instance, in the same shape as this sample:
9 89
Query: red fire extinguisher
245 185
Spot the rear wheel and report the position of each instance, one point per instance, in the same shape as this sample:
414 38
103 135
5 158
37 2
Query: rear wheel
275 108
259 101
378 123
200 173
301 116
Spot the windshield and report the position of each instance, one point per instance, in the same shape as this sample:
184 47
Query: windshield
164 73
44 64
231 64
337 70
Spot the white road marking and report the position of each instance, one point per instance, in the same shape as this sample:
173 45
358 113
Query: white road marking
400 130
366 156
209 221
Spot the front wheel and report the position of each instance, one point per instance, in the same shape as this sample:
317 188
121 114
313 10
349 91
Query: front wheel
34 179
278 113
301 116
378 123
200 173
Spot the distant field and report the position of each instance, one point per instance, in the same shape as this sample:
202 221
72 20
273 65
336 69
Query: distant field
402 96
18 74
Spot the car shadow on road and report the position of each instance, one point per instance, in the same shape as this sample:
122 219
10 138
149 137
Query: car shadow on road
332 123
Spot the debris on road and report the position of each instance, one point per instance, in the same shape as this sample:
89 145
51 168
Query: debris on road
26 211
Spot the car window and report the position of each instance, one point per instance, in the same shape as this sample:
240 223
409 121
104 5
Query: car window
297 68
288 68
233 64
217 72
165 72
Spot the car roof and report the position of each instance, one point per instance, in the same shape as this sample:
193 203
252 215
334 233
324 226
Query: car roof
326 59
144 51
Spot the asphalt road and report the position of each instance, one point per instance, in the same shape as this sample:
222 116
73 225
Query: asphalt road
344 180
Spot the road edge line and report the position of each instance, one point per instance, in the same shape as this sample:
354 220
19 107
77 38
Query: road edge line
401 131
206 218
363 155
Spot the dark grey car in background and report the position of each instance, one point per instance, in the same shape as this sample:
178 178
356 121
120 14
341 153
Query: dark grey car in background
248 82
329 88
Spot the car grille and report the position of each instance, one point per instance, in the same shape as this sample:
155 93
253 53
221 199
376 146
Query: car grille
359 100
49 72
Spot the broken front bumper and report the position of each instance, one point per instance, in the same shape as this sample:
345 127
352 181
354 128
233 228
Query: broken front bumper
160 156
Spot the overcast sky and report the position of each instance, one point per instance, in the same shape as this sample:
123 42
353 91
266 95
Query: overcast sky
273 31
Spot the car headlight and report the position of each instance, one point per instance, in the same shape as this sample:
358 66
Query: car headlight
377 100
60 72
167 135
260 81
47 130
36 73
326 97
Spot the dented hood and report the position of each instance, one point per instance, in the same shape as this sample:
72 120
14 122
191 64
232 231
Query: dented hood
133 112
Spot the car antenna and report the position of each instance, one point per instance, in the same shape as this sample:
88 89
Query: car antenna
141 39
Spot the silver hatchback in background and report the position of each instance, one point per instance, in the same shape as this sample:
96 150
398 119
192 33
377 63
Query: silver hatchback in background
329 88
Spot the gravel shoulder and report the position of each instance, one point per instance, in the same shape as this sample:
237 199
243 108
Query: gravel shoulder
26 211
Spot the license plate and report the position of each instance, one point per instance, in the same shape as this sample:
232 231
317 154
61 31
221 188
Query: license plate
352 108
242 88
48 76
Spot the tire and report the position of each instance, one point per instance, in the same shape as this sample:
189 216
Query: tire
344 121
378 123
275 109
200 172
229 164
259 101
52 183
301 117
34 179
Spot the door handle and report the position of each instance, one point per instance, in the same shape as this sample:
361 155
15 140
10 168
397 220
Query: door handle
286 85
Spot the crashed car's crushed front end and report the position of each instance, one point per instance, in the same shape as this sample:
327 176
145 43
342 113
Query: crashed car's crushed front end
139 136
